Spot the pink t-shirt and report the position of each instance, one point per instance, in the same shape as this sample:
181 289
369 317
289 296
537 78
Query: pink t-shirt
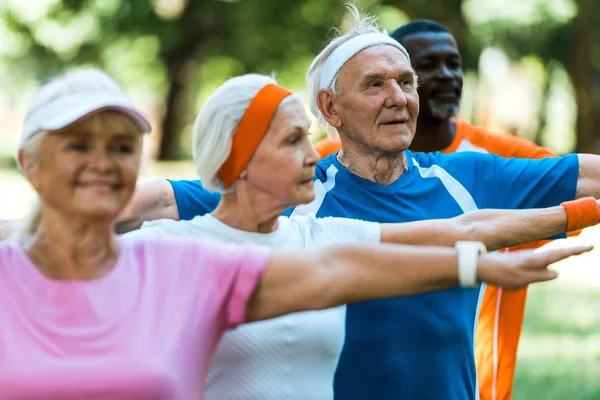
147 330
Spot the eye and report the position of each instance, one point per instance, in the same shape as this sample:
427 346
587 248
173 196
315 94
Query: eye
374 84
77 146
125 148
293 140
406 82
454 64
426 67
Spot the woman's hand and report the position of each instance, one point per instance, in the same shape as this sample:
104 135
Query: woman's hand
520 268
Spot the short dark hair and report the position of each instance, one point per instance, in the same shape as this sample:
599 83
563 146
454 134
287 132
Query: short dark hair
417 26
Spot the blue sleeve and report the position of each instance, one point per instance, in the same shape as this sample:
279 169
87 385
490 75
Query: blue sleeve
514 183
521 183
193 199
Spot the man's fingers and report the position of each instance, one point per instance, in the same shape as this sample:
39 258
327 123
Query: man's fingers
542 260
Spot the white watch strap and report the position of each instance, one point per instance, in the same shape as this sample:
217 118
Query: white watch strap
468 259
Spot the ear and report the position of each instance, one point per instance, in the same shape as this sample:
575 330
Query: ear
29 167
326 103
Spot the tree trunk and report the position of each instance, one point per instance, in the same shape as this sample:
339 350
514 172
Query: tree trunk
582 74
171 124
543 110
198 22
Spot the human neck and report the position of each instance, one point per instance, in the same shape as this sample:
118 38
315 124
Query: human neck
376 167
72 248
433 135
248 212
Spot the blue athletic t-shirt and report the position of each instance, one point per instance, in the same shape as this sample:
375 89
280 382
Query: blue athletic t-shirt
193 199
420 347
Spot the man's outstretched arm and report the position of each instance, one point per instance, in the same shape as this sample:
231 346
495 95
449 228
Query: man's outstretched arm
495 228
151 200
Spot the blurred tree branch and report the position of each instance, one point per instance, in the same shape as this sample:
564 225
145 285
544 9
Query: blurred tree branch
143 45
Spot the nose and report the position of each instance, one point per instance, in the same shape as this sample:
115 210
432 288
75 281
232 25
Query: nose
100 159
443 72
396 96
312 157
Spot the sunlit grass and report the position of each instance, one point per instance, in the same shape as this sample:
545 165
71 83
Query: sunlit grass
559 354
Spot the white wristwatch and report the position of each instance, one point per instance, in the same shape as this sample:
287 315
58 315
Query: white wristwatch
468 259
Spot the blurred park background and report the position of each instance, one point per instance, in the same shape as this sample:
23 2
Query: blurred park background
532 68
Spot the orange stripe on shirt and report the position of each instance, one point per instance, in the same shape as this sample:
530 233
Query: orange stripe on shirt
502 311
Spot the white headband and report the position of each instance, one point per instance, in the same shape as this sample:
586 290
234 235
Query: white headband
348 49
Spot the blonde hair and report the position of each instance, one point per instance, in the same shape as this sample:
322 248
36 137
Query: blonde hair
356 25
218 120
84 80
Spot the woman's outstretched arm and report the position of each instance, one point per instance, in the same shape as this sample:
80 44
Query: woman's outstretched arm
312 280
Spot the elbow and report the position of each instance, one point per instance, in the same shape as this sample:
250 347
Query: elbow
127 225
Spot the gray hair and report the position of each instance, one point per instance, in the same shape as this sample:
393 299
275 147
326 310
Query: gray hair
218 120
358 25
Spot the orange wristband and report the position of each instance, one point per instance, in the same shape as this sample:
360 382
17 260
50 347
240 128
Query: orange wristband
581 213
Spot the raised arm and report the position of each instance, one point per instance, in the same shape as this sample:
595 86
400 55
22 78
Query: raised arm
588 182
312 280
495 228
152 200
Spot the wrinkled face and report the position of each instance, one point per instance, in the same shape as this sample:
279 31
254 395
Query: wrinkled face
378 104
437 61
284 163
88 169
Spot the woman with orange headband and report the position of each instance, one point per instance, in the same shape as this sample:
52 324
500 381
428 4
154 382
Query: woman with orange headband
251 143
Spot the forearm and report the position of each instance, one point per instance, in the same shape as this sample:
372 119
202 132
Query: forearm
495 228
367 272
506 228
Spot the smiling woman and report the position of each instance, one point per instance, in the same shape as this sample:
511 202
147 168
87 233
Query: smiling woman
63 127
86 184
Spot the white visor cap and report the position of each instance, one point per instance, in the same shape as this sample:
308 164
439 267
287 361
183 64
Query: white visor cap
72 107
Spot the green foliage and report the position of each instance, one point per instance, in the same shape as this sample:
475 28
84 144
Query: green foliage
178 51
174 49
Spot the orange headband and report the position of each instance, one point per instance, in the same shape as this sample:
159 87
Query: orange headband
251 130
581 213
